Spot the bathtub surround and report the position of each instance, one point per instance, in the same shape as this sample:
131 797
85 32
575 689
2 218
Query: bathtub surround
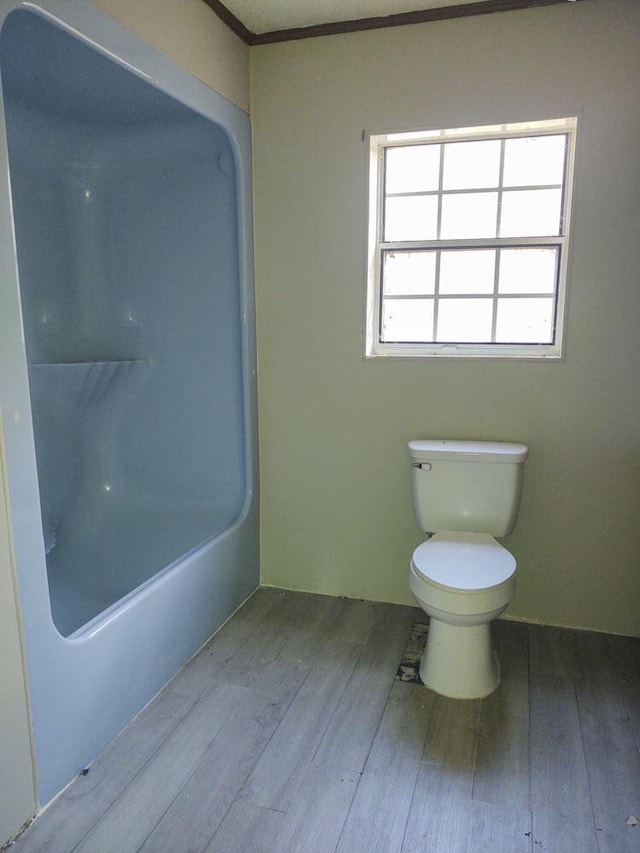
192 35
132 488
125 217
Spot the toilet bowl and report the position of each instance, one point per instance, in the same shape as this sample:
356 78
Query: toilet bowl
463 581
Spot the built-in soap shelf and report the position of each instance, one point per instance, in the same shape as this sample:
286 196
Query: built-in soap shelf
85 383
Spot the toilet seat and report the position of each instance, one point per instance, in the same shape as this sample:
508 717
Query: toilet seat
463 562
462 581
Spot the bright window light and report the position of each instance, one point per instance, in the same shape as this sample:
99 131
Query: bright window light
468 234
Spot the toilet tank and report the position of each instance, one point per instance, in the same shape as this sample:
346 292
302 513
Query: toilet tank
470 486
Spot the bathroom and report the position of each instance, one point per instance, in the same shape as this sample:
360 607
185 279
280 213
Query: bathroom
336 515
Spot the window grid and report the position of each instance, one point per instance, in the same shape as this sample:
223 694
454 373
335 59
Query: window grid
495 296
500 183
436 301
496 279
497 244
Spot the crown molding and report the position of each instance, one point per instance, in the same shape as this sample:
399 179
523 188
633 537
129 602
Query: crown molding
231 21
443 13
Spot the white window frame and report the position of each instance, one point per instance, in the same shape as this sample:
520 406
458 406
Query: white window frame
378 143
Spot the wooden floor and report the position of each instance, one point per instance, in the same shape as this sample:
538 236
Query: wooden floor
288 732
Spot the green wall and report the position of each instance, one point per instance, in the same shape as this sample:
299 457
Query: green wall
336 503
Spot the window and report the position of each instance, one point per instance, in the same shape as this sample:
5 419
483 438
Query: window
468 235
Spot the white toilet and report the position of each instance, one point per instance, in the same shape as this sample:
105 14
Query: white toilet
465 493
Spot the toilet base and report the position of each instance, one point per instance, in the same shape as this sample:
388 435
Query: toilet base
459 662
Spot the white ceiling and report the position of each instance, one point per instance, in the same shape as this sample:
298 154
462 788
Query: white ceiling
264 16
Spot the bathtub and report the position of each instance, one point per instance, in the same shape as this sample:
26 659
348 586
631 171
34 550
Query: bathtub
127 368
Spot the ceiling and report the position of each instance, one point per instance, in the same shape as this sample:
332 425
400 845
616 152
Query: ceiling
269 15
259 21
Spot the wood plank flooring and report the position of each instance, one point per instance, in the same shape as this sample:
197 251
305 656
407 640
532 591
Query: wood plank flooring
288 733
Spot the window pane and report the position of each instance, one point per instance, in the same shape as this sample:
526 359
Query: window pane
523 321
408 273
471 165
528 270
464 320
534 160
467 272
411 218
469 215
407 320
530 213
412 168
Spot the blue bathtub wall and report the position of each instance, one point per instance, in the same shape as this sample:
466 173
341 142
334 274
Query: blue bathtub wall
132 231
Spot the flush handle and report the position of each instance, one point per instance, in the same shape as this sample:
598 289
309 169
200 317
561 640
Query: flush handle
423 466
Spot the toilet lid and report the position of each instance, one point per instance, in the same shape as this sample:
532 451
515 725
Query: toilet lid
464 561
